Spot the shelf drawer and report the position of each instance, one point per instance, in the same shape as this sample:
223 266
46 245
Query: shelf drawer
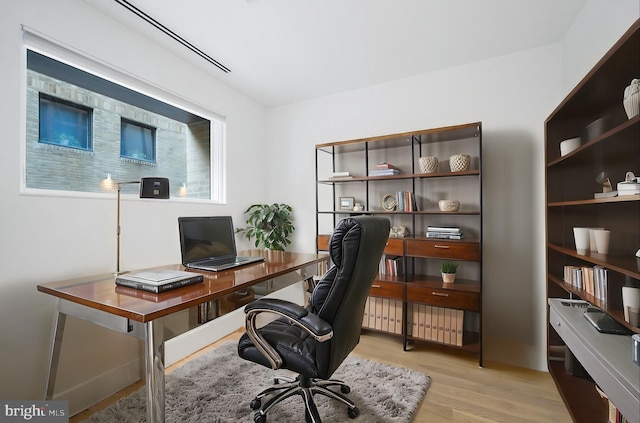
323 242
444 298
443 249
395 246
386 290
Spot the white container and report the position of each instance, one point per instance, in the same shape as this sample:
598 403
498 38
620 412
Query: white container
567 146
581 237
601 237
592 239
631 99
428 164
628 188
449 205
631 305
459 162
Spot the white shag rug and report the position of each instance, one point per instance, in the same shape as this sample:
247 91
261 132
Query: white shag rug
218 386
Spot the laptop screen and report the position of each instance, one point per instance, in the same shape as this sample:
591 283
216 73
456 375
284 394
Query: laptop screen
206 237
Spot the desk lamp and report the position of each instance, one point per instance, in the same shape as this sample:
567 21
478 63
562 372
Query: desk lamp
149 188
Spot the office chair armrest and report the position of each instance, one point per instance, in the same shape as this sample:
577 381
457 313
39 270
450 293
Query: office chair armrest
297 315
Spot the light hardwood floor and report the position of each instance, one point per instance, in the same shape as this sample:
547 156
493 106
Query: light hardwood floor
460 390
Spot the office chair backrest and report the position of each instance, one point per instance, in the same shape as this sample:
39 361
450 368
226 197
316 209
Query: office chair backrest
355 248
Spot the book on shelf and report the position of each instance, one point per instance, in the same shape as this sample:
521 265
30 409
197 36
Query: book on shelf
593 280
406 201
444 235
340 176
605 194
383 172
449 229
391 265
443 232
436 324
384 165
158 280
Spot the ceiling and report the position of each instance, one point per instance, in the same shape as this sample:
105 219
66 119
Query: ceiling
284 51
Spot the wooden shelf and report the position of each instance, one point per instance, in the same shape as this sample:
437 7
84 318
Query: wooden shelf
419 255
570 187
626 265
608 200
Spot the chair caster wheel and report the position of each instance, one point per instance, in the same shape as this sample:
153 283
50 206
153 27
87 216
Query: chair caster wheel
353 412
255 404
260 418
345 389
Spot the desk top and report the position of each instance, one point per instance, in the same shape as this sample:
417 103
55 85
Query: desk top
100 291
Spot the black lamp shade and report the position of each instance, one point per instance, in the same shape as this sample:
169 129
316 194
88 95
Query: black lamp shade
154 188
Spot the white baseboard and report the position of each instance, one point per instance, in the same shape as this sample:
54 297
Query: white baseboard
94 390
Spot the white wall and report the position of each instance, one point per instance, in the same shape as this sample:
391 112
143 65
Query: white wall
47 238
512 96
598 26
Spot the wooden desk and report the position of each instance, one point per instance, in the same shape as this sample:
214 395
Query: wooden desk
137 313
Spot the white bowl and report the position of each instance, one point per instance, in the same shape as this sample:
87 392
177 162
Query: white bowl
449 205
567 146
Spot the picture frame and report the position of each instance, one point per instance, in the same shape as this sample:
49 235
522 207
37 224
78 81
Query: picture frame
346 203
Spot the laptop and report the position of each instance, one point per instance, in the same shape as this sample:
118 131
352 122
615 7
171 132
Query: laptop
209 243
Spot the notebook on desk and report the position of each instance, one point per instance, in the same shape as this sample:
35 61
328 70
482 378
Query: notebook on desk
209 243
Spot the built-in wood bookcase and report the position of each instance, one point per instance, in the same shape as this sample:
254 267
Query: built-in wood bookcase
570 202
418 288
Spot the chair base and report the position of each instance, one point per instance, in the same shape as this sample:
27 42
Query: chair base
305 387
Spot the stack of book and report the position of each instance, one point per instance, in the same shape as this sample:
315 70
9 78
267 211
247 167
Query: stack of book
594 279
340 176
383 169
391 265
158 280
406 201
444 232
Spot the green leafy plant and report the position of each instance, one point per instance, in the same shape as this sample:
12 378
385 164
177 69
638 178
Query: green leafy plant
269 224
449 267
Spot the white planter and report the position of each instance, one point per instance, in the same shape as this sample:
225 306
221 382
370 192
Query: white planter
448 277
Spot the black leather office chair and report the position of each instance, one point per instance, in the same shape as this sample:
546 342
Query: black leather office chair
314 341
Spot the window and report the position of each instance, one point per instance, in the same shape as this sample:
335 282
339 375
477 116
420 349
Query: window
113 123
64 123
137 141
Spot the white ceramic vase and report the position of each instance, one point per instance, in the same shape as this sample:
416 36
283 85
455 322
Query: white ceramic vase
631 99
428 164
459 162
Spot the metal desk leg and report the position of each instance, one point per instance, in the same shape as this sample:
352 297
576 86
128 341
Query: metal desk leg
154 351
54 352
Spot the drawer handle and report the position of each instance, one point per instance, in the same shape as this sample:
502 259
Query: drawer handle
375 286
440 294
441 246
558 324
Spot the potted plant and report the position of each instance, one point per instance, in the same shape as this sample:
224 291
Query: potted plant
448 270
269 224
